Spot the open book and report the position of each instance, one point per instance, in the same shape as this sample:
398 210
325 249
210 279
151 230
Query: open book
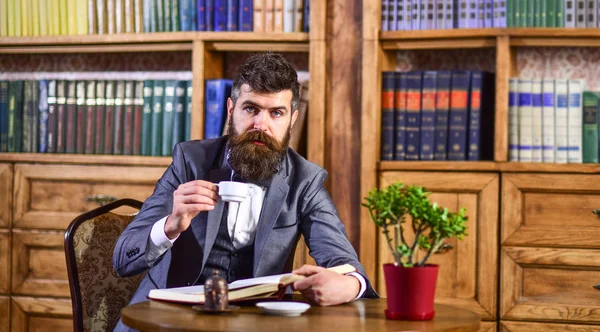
240 290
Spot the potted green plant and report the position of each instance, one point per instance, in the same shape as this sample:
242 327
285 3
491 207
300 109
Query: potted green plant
410 281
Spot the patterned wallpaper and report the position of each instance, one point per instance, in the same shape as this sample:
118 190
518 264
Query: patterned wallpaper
555 62
157 61
472 59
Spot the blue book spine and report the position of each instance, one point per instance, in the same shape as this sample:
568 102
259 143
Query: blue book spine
475 115
201 15
217 92
387 115
481 13
416 14
461 14
232 15
157 114
187 15
472 13
3 116
459 109
209 14
220 15
245 12
43 116
180 109
193 12
413 114
385 8
428 115
306 21
400 114
392 18
442 108
489 14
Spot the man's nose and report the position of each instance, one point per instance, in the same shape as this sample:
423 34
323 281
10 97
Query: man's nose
261 121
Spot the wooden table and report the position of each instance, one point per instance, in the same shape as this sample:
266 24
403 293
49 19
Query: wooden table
360 315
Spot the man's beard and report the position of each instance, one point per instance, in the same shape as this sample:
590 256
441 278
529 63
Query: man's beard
255 162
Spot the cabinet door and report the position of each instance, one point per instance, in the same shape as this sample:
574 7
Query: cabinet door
468 273
6 180
41 314
50 196
4 314
550 284
507 326
550 210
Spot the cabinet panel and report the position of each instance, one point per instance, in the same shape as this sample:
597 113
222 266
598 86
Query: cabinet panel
4 314
50 196
38 265
6 180
4 261
550 284
550 210
508 326
41 314
488 327
468 273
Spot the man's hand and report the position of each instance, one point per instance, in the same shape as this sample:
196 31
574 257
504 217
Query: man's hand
324 287
190 199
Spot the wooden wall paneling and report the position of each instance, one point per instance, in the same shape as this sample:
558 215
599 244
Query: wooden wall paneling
503 63
5 261
6 181
488 327
318 20
206 64
38 264
374 61
550 284
343 121
513 326
371 20
468 274
551 210
41 314
316 148
4 314
51 196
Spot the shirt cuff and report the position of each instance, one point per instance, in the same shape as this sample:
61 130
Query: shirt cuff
363 283
158 243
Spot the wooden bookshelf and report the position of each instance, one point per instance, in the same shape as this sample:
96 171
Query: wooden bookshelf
524 200
55 158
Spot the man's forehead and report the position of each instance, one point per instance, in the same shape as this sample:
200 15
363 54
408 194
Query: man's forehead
247 93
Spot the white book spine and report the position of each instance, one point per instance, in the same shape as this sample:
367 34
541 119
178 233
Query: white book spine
431 15
423 13
400 25
449 14
561 92
536 112
580 13
569 14
548 146
384 15
288 15
462 14
513 119
525 121
392 18
416 14
591 14
408 14
575 122
439 14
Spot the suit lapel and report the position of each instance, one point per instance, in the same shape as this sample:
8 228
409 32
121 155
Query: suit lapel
274 199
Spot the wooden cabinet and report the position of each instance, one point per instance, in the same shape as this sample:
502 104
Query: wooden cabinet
467 275
6 181
41 314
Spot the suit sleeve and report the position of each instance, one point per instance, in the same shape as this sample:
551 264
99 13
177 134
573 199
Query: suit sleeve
324 232
129 255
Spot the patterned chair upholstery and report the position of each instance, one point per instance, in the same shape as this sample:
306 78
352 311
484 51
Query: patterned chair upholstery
97 293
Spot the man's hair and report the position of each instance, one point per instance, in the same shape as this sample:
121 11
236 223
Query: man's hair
267 73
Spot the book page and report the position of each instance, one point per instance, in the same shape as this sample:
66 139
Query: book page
275 279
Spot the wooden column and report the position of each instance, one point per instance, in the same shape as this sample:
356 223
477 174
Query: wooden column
342 159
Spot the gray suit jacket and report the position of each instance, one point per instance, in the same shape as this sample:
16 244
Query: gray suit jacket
295 203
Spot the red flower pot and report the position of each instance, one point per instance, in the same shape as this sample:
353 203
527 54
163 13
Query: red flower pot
410 291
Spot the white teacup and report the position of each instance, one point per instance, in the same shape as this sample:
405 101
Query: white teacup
232 191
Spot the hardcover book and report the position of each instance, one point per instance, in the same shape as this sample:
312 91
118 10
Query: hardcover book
241 290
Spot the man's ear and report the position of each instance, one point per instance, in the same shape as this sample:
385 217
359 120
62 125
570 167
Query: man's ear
229 107
294 117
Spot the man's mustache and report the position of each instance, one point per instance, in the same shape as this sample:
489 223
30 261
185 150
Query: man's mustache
259 136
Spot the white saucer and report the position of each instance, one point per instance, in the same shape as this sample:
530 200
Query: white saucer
290 309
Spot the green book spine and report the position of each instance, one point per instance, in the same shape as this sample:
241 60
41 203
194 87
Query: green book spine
179 119
83 114
71 118
128 119
157 110
119 132
138 111
520 12
28 111
510 13
108 109
175 19
551 13
560 13
530 13
92 143
590 127
160 15
188 111
147 118
168 117
167 11
35 123
15 115
3 116
543 13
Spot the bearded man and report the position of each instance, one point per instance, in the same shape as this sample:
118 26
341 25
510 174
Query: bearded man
184 230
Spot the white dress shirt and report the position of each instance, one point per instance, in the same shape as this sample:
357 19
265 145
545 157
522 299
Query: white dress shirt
242 222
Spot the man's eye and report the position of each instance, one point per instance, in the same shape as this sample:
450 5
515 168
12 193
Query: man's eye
277 113
250 109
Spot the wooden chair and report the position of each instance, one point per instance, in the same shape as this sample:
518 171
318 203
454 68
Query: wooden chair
97 293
